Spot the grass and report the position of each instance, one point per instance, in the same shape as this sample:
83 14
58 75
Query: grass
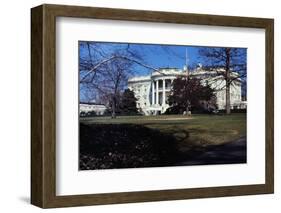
196 130
165 140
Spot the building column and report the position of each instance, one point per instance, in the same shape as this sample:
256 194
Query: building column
148 103
157 93
153 94
163 93
171 83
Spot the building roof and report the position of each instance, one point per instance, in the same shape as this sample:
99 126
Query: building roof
167 71
140 78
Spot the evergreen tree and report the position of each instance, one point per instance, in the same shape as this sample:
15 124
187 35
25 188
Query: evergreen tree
128 102
189 92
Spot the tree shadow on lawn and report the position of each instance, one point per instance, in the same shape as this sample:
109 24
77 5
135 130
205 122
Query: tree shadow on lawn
229 153
111 146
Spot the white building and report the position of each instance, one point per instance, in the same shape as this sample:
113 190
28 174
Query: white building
152 91
85 108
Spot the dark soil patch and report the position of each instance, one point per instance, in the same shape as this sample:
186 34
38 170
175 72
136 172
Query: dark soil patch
109 146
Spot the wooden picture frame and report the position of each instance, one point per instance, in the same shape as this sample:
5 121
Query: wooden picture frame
43 105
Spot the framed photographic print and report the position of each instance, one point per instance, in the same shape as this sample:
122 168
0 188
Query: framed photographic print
136 106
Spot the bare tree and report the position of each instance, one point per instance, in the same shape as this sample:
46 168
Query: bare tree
226 61
105 69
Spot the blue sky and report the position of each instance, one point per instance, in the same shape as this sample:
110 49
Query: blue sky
167 56
154 55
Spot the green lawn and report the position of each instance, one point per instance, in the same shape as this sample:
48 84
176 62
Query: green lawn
196 130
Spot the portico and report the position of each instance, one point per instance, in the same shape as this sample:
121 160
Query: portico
160 90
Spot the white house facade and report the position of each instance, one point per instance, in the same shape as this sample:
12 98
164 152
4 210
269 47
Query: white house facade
152 91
